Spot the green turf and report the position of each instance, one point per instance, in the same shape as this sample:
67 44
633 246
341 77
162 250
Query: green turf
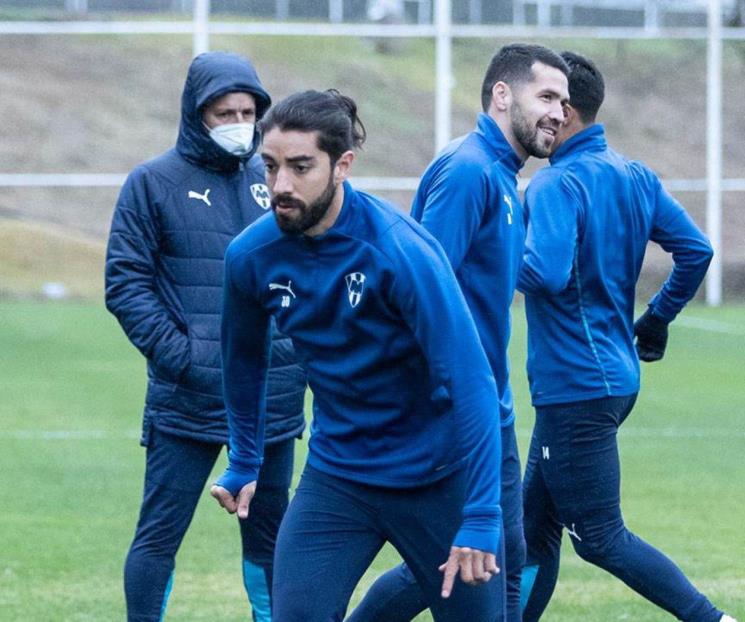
69 501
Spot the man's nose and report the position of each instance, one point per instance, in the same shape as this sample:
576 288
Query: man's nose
557 112
282 183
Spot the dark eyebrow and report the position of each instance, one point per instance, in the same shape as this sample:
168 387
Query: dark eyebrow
550 91
301 158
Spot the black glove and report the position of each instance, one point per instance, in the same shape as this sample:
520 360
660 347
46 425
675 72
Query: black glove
651 337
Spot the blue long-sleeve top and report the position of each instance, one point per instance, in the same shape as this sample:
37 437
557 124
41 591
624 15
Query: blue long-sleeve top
468 200
403 393
591 214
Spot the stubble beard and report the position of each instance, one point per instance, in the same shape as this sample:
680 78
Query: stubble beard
527 134
307 216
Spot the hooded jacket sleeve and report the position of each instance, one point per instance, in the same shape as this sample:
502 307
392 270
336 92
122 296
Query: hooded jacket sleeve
245 342
554 220
131 288
462 385
674 230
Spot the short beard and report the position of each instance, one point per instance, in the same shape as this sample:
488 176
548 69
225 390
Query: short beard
309 215
527 134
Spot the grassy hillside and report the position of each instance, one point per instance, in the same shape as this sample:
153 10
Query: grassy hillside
35 255
102 104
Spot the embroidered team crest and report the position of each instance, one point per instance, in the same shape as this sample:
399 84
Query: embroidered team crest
260 193
355 286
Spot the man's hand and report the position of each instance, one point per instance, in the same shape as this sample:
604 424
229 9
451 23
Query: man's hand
651 337
475 567
235 504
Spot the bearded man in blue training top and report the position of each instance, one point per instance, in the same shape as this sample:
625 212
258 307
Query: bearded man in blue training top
404 443
591 214
468 200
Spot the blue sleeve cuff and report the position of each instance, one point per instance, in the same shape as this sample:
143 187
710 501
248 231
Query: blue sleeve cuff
234 478
480 532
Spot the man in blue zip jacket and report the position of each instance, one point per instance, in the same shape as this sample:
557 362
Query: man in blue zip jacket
173 221
468 200
404 443
591 214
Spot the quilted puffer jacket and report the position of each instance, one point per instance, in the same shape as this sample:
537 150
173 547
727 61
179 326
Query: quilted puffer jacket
173 221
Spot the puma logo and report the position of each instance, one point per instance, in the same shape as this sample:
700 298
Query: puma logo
202 197
287 288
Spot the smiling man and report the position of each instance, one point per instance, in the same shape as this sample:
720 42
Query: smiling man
405 435
468 200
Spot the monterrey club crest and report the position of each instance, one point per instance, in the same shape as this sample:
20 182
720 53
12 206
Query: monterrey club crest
355 286
260 193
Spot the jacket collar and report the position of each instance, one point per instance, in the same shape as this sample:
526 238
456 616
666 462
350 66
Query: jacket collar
501 150
590 139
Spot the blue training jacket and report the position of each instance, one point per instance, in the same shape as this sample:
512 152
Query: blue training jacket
173 221
375 311
591 214
468 200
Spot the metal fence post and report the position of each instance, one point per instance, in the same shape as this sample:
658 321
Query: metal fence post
651 15
474 12
201 26
443 72
518 13
544 13
76 6
714 152
282 10
336 11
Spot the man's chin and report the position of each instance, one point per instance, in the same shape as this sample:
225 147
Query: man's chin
286 223
543 149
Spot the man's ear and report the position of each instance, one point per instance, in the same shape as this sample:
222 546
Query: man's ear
501 96
570 116
343 167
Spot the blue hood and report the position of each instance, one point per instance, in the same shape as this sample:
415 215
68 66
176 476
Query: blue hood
212 75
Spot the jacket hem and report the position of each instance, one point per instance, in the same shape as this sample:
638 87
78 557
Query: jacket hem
385 482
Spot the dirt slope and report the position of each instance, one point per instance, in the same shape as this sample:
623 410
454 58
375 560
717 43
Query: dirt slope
102 104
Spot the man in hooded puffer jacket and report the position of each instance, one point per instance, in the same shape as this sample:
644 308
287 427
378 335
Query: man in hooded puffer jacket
173 221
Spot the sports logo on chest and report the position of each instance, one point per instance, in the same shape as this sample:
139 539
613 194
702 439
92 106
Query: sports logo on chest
286 291
204 197
510 212
355 287
260 193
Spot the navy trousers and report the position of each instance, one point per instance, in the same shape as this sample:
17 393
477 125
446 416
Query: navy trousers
334 528
175 476
396 597
572 480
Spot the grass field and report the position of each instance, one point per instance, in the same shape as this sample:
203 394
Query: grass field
71 392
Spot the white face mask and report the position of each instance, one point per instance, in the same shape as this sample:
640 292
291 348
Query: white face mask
235 138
